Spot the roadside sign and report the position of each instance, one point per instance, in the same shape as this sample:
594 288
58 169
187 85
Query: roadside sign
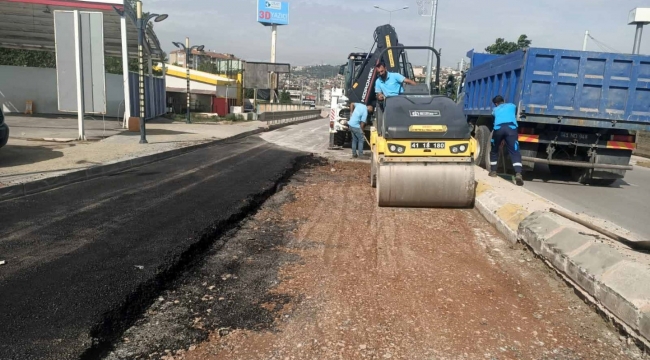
91 39
271 12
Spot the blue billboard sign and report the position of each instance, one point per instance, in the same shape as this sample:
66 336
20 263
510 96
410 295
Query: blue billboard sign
271 12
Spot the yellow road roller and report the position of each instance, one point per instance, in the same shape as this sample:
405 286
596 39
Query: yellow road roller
422 151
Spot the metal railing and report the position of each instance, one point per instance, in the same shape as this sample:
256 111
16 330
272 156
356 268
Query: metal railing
283 117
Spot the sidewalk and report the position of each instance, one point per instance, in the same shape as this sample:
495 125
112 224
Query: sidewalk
612 276
23 160
60 127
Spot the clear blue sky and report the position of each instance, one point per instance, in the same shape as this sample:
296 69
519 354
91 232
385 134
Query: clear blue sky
327 30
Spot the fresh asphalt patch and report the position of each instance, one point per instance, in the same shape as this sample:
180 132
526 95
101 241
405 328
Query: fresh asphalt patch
84 261
228 290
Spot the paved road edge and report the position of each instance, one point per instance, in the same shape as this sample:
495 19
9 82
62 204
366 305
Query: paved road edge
33 187
599 272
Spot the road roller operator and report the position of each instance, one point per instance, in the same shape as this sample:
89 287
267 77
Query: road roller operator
389 83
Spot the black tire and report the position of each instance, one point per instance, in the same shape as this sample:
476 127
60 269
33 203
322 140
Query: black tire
598 182
483 137
557 170
5 138
339 138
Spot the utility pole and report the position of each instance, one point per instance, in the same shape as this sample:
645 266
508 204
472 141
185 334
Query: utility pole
584 44
188 52
637 39
140 23
318 98
432 40
638 17
274 38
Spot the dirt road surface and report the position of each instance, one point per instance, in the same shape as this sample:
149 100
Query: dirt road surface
354 281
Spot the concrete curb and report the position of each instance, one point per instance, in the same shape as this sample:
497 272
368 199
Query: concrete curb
33 187
607 278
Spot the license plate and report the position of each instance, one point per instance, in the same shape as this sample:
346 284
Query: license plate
574 136
427 145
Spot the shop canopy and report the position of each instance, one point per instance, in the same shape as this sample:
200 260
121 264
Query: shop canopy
29 24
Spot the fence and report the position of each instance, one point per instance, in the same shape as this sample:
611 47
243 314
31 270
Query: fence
262 108
283 117
154 108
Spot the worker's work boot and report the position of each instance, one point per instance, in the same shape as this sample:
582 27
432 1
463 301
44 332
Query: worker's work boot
493 174
519 179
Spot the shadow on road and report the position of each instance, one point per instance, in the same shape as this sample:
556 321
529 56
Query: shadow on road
16 155
156 132
543 174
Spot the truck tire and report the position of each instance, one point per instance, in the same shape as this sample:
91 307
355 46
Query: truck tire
483 137
559 171
602 182
583 176
339 138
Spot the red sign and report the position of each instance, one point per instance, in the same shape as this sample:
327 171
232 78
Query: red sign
265 15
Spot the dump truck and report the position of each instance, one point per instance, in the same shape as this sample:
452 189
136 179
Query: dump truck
578 111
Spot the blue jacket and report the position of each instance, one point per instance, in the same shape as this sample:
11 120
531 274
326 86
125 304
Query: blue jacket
505 114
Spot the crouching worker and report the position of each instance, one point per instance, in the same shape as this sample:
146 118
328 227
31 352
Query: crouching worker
505 128
358 119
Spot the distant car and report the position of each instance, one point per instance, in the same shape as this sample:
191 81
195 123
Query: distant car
4 130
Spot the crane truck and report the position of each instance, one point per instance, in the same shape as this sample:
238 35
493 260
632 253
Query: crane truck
359 83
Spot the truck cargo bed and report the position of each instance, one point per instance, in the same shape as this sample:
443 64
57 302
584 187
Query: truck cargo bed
578 88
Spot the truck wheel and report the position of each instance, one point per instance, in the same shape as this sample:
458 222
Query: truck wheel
483 137
598 182
561 171
339 138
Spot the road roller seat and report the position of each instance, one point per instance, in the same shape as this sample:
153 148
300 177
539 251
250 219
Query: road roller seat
402 111
418 89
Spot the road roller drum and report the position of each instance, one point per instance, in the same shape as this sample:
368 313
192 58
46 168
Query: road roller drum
422 184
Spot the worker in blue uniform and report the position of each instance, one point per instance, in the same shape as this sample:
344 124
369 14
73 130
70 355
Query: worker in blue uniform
505 128
389 83
357 124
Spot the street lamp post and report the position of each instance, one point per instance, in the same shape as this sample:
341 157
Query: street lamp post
141 24
432 41
188 51
390 12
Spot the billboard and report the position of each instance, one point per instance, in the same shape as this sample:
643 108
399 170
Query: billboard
256 74
270 12
92 61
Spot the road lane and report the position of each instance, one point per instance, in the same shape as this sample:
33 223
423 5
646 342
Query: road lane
312 136
626 203
81 259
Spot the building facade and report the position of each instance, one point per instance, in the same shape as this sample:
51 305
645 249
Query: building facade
223 64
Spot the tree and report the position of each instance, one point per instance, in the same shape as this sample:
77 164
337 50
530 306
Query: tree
503 47
285 97
208 67
29 58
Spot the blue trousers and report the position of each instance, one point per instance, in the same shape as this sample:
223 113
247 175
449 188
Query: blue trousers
357 140
511 138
